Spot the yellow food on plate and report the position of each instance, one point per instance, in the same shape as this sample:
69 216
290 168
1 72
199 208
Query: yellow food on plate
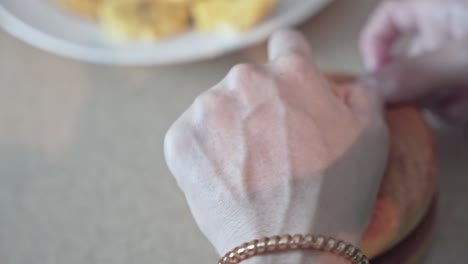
143 19
156 19
186 2
229 15
86 8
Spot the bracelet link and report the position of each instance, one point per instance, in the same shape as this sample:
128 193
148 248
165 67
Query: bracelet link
297 241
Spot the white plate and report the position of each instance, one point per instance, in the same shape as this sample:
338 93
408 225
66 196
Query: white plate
43 24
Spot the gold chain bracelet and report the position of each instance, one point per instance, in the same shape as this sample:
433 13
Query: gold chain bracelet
287 243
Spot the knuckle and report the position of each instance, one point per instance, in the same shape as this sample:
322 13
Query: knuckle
206 100
243 72
244 80
293 62
207 105
175 140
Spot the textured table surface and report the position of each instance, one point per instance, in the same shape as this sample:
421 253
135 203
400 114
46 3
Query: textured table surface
82 174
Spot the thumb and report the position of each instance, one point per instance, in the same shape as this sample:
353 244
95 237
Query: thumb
423 79
390 20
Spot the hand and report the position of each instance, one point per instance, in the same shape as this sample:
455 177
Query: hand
271 150
433 24
437 80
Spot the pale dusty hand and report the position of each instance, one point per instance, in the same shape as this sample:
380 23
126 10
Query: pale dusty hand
434 75
432 23
271 150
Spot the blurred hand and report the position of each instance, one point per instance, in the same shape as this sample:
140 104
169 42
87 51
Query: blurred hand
434 72
432 23
271 150
437 80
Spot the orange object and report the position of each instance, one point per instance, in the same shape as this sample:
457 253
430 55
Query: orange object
413 249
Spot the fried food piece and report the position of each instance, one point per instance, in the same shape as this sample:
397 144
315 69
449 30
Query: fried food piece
230 15
86 8
143 19
186 2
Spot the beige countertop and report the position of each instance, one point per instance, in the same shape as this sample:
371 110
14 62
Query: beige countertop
82 174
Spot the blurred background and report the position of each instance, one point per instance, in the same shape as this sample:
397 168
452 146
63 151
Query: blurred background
82 173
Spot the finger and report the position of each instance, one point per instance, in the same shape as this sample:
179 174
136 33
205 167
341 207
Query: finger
436 74
251 84
364 103
434 36
427 43
290 55
389 22
288 42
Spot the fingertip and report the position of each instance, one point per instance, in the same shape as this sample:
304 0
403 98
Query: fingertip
288 41
367 81
381 32
377 84
376 53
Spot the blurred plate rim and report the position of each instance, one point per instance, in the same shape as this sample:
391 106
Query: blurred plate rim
56 45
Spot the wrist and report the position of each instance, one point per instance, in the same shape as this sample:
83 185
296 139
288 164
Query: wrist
298 257
297 249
